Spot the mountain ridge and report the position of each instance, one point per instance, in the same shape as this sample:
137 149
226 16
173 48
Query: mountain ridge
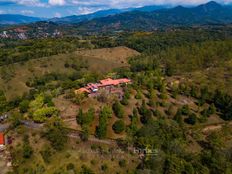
12 19
209 13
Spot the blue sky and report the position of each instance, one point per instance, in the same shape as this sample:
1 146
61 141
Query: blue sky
58 8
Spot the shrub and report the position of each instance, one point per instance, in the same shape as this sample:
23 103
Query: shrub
104 167
185 110
138 96
118 109
122 163
192 119
119 127
24 105
70 166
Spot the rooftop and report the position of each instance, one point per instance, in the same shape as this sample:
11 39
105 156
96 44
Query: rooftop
2 142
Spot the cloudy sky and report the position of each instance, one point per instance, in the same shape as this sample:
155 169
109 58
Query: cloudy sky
58 8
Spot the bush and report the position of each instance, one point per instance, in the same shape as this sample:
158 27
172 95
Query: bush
105 114
104 167
56 134
118 127
138 96
27 149
86 170
185 110
124 101
70 166
122 163
24 105
118 109
192 119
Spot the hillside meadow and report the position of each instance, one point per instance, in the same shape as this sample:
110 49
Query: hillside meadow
14 76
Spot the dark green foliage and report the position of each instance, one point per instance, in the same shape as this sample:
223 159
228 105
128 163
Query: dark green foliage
185 110
212 109
124 101
122 163
27 149
118 109
119 126
182 58
159 134
192 119
178 117
3 102
46 153
24 106
70 166
224 103
85 118
171 111
163 95
32 49
56 134
138 95
146 114
134 122
86 170
80 117
85 134
104 167
15 119
101 130
126 97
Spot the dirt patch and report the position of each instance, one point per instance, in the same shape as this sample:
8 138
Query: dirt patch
117 54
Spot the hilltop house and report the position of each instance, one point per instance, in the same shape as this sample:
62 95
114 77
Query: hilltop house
103 84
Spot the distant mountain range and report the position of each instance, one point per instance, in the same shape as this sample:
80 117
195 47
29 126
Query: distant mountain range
146 18
20 19
211 13
103 13
9 19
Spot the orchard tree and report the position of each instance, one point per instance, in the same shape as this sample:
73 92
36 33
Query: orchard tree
119 126
118 109
105 114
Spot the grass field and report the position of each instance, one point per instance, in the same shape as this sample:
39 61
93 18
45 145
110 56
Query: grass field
14 77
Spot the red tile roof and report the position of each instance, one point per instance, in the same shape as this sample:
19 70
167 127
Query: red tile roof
82 90
2 142
103 83
110 81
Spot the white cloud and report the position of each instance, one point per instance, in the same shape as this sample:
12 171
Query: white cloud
137 3
57 15
86 10
2 12
35 3
27 12
57 2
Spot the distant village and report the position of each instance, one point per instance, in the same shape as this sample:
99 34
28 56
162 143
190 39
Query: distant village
22 33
